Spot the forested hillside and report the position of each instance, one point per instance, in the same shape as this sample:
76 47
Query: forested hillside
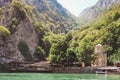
79 46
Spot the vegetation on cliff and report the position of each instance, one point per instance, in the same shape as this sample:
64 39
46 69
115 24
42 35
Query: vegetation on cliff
4 32
105 31
58 47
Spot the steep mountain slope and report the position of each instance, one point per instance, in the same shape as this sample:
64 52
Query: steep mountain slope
53 15
95 11
23 40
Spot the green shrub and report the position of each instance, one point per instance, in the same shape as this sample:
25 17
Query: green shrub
18 5
115 15
28 7
14 24
40 53
14 20
2 10
4 31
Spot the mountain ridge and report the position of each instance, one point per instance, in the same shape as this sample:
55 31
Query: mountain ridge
58 18
95 11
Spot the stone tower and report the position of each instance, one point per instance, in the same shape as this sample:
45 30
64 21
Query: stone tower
101 60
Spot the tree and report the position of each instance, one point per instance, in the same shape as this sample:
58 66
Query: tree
58 52
115 57
51 38
71 56
85 50
39 53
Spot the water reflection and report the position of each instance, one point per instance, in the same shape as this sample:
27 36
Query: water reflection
39 76
108 77
12 75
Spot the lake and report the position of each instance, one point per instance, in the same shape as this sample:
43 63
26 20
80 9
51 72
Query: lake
45 76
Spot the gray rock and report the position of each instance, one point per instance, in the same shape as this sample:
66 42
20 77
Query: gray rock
95 11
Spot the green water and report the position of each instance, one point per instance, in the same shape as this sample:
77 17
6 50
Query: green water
40 76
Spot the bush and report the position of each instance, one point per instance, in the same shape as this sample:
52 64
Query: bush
28 7
18 5
115 57
115 15
14 24
4 31
39 54
14 21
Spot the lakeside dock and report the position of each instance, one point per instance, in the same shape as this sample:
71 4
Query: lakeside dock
108 70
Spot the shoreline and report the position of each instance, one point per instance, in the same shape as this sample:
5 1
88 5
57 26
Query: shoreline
66 70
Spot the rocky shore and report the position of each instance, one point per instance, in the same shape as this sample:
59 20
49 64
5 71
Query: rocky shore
74 70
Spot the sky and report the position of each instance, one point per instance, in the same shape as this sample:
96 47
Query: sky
76 6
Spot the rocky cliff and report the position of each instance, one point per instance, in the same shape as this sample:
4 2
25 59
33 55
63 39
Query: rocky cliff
95 11
16 18
53 15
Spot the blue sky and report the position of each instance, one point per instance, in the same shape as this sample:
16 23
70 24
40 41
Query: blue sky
77 6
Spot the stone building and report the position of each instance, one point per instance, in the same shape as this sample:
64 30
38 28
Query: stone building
101 60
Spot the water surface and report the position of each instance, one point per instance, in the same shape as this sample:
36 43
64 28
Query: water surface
44 76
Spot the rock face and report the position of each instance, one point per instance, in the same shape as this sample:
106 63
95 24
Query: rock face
106 4
2 2
53 5
10 48
95 11
24 31
53 15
